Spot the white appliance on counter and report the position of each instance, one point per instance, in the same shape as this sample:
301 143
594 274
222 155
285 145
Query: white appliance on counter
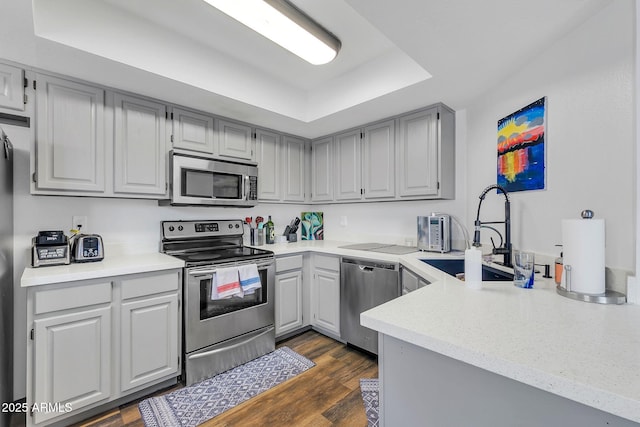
434 233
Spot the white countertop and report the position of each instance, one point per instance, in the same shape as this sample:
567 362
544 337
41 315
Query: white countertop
114 265
586 352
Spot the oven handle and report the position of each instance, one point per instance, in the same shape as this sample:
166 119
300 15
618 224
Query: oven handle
213 270
245 191
227 348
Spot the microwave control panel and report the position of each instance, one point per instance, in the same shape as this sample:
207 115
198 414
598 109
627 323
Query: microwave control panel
253 188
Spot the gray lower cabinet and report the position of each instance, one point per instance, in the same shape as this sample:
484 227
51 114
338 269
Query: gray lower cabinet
289 294
325 293
96 341
411 281
149 329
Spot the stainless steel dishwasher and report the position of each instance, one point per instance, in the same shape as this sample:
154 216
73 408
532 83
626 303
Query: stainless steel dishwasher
364 284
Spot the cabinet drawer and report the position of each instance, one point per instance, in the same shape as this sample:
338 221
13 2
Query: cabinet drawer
150 283
288 263
81 295
327 262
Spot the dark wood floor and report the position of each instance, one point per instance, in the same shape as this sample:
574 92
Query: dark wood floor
325 395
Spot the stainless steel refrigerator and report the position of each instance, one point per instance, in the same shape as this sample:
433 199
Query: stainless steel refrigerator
6 275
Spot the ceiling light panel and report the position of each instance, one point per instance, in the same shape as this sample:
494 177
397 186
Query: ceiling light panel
285 25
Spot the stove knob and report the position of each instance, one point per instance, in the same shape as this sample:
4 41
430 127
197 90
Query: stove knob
237 225
171 228
230 225
180 228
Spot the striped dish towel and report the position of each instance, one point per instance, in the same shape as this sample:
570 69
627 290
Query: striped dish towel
249 278
227 283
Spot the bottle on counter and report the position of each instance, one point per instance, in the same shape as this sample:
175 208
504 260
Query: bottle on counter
473 268
559 268
270 232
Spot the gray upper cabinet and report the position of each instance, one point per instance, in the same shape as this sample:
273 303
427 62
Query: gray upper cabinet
409 157
234 140
426 153
193 131
281 163
70 138
348 172
322 170
140 146
379 171
294 169
269 158
418 154
11 87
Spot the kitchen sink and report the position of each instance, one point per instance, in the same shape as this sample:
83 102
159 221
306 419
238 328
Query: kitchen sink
455 266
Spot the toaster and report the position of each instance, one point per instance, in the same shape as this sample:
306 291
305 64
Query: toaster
87 248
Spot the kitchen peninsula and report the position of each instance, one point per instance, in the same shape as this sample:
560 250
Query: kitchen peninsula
505 356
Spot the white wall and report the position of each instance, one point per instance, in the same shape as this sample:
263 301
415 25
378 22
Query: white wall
588 79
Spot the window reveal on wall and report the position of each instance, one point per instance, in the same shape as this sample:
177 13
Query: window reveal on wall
521 148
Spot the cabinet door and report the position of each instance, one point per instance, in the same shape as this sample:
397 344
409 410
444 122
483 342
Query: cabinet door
140 146
348 164
326 299
72 360
410 281
148 340
322 170
269 158
379 169
70 148
288 301
192 131
418 154
294 173
234 140
11 87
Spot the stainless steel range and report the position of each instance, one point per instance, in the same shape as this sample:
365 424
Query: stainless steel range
228 296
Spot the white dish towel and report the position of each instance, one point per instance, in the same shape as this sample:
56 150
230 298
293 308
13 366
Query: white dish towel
227 283
249 278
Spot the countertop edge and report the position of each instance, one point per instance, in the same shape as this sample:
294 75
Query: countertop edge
113 266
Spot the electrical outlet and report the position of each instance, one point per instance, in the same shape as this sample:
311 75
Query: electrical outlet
79 222
343 221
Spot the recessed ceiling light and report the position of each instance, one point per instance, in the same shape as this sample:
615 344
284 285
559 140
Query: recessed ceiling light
284 24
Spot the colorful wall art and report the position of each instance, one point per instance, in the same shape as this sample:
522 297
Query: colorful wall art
312 226
521 148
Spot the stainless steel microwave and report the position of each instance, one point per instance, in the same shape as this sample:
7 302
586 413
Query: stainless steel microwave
197 180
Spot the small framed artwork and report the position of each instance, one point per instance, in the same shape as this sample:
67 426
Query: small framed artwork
312 226
521 148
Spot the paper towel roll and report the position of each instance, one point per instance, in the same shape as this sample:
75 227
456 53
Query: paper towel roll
583 248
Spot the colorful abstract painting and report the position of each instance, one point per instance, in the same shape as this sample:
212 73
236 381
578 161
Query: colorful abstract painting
521 147
312 226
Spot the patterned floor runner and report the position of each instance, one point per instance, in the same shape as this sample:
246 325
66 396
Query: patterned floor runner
369 389
200 402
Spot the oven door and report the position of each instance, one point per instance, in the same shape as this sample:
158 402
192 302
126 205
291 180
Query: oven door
209 321
206 181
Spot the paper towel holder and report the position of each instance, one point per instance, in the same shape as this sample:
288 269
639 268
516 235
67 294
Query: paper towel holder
608 297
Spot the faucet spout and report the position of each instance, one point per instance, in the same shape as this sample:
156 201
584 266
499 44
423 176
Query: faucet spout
506 249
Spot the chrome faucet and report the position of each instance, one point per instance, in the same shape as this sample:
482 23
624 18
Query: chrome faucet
505 245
